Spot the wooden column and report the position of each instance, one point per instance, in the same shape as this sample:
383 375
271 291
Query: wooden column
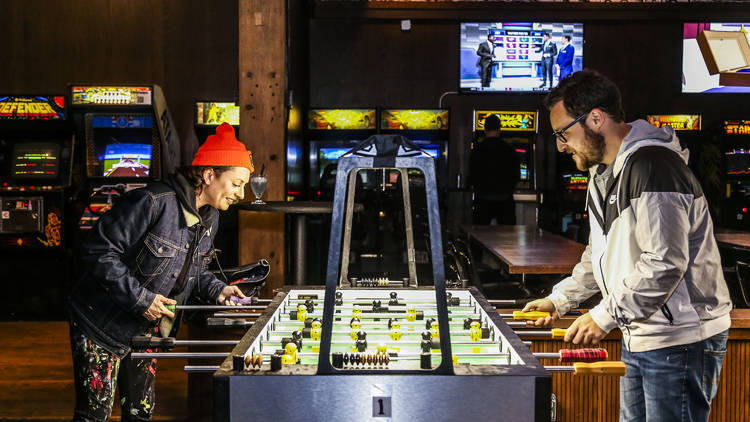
262 83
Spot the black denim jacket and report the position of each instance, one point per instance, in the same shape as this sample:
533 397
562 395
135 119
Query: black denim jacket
136 250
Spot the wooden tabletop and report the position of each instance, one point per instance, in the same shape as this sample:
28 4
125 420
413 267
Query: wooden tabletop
527 250
733 238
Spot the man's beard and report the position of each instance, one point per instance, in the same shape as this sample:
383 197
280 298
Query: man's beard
593 151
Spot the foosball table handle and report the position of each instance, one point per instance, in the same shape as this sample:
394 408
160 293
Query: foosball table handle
530 315
613 368
559 333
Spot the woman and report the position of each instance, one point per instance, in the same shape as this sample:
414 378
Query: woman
151 250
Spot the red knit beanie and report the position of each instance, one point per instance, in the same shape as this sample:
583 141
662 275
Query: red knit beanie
223 150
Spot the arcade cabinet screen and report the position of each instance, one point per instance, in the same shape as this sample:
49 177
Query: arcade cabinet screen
214 114
126 160
730 58
516 63
738 161
38 160
329 156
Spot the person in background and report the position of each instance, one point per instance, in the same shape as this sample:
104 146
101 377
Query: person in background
565 58
486 53
494 171
549 51
651 254
149 252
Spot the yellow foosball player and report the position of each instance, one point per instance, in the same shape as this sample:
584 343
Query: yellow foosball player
316 331
411 313
475 332
396 330
435 329
301 313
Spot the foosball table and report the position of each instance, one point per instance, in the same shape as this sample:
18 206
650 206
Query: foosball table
495 374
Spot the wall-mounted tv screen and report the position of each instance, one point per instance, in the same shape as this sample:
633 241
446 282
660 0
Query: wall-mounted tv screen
518 56
127 160
36 160
722 58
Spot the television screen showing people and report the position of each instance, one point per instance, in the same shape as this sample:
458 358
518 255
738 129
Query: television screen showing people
696 73
518 56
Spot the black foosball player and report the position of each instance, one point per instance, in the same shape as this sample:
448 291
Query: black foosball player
153 246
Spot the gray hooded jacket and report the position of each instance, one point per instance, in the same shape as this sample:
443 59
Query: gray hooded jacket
652 251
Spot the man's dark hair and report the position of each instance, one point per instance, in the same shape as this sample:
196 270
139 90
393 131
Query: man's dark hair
567 37
490 35
491 123
545 34
585 90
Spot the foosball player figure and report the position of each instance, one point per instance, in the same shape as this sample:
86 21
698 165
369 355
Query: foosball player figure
301 313
435 329
355 325
396 330
476 331
356 311
310 305
411 313
316 331
394 299
361 343
428 323
339 299
290 354
377 306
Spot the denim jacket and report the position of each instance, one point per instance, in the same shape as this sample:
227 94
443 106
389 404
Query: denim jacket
136 250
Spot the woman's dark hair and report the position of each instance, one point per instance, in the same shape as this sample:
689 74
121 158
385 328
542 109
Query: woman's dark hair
585 90
194 174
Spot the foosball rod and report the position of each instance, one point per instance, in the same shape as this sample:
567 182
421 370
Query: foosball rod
220 307
201 368
237 315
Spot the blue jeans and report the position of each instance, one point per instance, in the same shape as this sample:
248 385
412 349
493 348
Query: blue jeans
672 384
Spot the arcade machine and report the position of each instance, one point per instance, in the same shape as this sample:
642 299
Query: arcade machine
127 139
736 163
209 115
36 146
519 129
705 154
428 129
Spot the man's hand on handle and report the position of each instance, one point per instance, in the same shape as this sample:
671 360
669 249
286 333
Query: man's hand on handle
543 305
584 331
158 308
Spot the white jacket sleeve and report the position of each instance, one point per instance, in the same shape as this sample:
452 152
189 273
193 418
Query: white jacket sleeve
580 286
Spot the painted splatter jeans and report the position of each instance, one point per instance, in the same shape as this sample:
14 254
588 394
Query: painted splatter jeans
97 371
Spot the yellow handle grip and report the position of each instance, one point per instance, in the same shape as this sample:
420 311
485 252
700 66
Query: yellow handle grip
616 368
529 316
559 333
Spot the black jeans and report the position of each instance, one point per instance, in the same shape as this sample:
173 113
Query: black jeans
96 372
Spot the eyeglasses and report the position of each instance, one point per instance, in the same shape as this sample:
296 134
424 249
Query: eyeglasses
559 134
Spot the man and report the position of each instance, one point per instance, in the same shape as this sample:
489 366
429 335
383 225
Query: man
494 171
486 53
565 58
150 251
651 253
549 51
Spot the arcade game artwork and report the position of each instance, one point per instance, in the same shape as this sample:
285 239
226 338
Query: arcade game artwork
716 57
516 54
